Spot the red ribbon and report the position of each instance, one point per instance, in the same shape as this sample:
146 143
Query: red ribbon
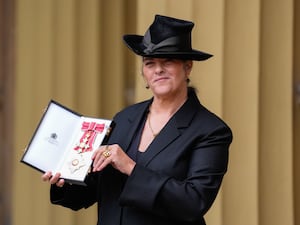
91 129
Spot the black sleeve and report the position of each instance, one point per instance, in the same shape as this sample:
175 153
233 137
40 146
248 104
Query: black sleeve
74 196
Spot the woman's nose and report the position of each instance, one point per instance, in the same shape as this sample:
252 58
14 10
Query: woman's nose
159 68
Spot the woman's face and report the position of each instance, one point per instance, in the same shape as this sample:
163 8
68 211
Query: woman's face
165 76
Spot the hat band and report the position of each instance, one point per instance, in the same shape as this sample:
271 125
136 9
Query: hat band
172 44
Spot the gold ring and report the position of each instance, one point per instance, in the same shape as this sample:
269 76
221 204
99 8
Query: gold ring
106 153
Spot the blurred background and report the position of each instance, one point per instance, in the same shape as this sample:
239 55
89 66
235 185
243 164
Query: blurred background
72 51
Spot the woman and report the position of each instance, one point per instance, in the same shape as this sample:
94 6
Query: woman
166 157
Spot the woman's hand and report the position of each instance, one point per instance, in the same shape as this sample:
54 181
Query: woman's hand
114 155
53 179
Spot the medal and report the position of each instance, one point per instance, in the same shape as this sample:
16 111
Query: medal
76 163
90 132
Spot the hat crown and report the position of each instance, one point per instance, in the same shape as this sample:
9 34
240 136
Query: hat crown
166 37
165 27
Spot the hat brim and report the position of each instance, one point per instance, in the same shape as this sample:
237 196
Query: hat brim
135 43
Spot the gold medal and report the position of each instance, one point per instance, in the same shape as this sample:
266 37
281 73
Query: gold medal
75 162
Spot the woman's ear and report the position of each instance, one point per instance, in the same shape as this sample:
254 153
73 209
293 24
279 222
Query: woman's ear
146 83
188 66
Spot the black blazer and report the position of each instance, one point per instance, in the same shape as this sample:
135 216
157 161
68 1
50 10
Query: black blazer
174 182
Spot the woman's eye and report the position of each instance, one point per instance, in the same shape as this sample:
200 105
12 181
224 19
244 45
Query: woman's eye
169 61
148 63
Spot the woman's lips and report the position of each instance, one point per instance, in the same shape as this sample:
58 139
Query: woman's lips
161 79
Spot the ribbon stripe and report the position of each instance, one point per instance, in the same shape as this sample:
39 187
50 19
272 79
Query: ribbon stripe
91 129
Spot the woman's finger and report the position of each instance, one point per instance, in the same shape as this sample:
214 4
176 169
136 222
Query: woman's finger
101 158
54 179
46 176
60 183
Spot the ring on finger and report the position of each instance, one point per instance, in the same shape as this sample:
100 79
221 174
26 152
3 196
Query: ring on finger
106 153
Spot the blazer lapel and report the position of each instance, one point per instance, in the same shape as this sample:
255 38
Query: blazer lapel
162 140
173 129
134 121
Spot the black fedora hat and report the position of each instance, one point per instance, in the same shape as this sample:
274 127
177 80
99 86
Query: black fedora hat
166 37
